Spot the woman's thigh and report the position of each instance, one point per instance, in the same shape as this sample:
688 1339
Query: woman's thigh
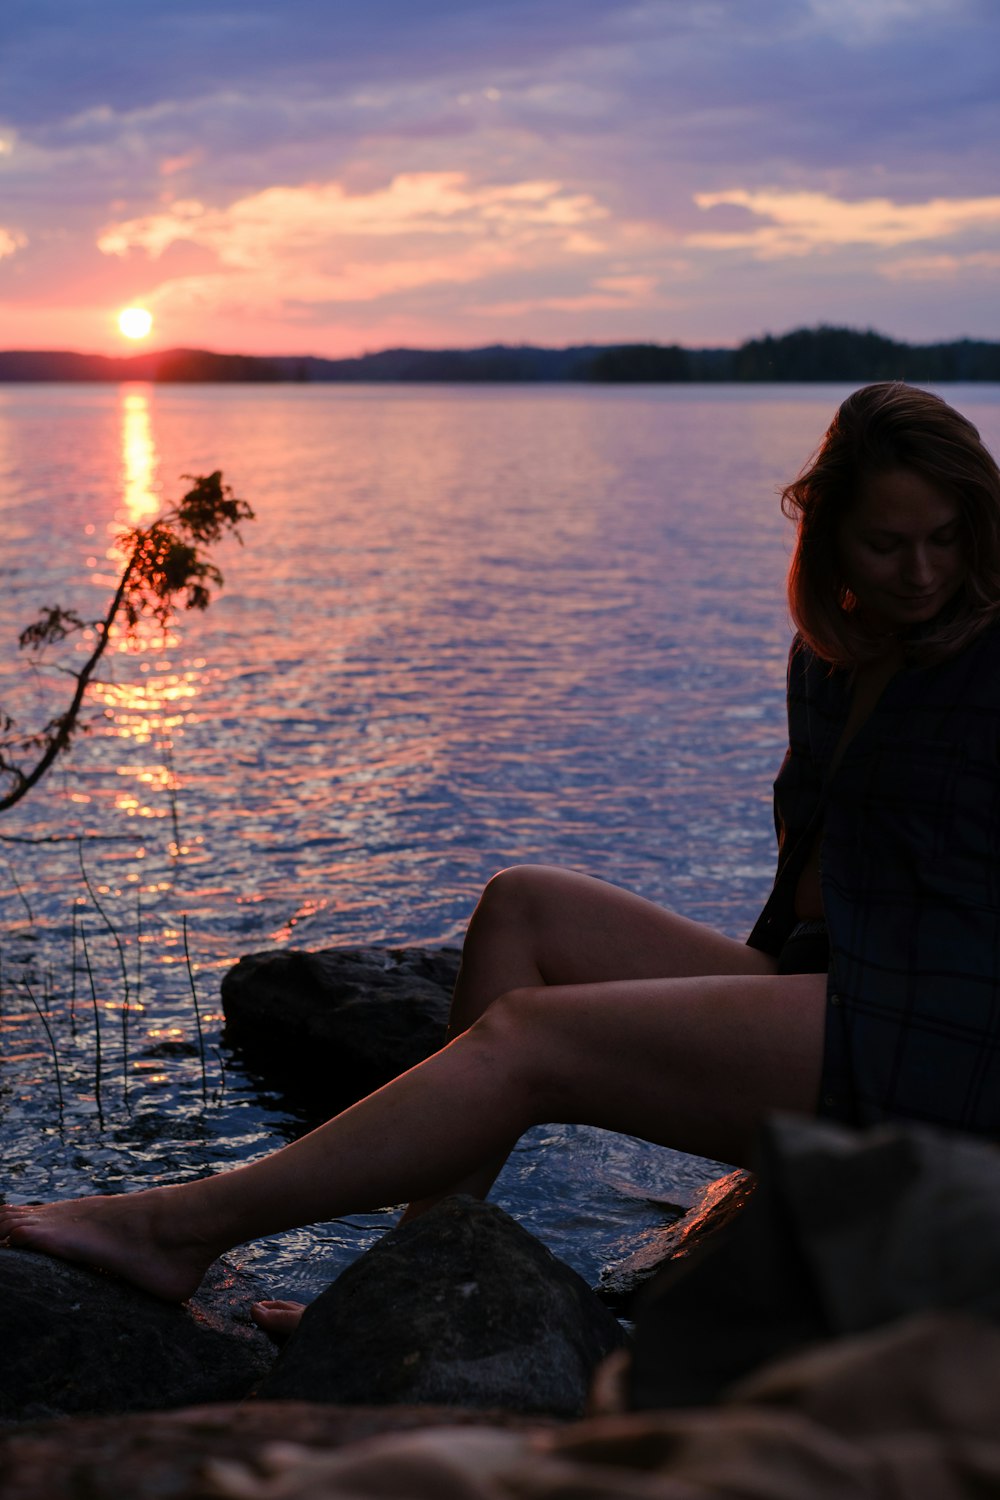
692 1063
580 930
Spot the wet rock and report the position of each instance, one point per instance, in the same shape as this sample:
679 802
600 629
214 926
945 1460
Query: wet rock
846 1231
715 1208
73 1340
331 1026
460 1307
166 1454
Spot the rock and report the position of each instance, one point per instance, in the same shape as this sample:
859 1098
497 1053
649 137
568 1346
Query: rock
714 1209
166 1454
331 1026
889 1221
846 1231
909 1411
459 1307
74 1340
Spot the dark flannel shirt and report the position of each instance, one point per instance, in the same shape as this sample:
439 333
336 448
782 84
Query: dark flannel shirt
910 877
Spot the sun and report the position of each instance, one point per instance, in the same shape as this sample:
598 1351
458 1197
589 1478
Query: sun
135 322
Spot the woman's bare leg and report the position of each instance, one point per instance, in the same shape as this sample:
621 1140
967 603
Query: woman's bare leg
692 1063
539 924
543 925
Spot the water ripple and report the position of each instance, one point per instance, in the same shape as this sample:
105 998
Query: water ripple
468 628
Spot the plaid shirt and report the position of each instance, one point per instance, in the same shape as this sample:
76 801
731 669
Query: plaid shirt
910 876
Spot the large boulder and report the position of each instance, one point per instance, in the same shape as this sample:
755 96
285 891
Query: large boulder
331 1026
74 1340
459 1307
846 1231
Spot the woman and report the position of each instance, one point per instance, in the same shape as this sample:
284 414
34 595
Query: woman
868 987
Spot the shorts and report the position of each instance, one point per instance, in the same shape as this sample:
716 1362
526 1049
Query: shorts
806 950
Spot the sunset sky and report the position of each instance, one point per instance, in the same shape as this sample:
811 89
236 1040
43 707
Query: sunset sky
336 176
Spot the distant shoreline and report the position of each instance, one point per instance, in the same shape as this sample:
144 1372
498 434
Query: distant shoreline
822 354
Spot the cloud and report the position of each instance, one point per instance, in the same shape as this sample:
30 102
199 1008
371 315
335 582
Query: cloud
286 159
287 220
942 267
637 103
865 20
321 244
126 55
820 84
11 241
798 223
170 165
614 293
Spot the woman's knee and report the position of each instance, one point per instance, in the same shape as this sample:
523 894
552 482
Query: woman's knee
519 897
518 1035
510 893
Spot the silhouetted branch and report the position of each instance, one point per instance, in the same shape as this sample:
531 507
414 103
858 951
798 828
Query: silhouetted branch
165 567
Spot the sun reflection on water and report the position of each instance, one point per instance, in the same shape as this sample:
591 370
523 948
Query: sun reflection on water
147 699
139 458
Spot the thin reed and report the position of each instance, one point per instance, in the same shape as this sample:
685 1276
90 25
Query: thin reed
97 1025
168 755
138 947
124 968
52 1041
17 887
72 976
197 1012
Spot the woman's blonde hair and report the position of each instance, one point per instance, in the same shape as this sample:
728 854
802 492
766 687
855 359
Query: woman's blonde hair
882 427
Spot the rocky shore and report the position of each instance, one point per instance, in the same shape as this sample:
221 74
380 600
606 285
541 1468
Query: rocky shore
826 1328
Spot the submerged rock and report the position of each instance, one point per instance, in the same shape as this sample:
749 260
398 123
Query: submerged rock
459 1307
74 1340
331 1026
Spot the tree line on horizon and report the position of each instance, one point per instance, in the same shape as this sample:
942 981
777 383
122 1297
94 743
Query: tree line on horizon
804 355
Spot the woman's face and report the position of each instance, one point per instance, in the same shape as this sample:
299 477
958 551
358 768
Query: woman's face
901 549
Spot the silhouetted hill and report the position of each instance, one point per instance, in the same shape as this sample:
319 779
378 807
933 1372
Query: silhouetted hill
166 365
805 354
844 354
498 362
53 364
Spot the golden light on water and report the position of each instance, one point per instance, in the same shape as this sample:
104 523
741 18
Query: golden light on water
135 322
138 458
147 702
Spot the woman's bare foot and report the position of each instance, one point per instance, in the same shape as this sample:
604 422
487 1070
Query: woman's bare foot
148 1238
279 1320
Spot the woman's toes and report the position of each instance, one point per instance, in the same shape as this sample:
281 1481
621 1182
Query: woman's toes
278 1319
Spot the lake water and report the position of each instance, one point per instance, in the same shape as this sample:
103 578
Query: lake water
469 627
